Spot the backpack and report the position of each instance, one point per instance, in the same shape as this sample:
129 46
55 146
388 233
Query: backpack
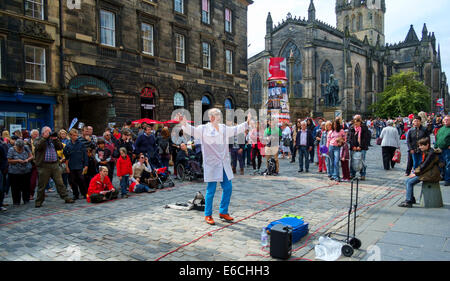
272 167
164 146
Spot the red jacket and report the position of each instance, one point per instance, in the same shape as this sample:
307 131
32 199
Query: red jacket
96 186
124 166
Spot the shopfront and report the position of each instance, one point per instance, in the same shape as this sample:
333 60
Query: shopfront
22 111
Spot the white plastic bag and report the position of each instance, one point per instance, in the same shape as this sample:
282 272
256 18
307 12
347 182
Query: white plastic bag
328 249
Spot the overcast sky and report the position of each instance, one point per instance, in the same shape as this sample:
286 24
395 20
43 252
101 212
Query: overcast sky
400 14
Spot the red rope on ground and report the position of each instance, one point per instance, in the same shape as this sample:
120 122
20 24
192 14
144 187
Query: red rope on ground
238 221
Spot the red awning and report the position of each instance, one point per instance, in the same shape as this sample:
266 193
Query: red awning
146 120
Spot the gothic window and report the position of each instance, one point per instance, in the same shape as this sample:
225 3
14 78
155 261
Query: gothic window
353 23
358 86
296 69
360 22
256 89
178 100
325 71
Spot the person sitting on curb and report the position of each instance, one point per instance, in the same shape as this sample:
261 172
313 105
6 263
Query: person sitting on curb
101 188
428 171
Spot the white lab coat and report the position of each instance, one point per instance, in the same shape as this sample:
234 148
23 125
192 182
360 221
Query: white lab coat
215 148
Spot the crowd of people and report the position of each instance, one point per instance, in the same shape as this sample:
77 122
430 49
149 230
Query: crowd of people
88 164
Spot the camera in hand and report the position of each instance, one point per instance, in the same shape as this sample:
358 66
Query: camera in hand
54 135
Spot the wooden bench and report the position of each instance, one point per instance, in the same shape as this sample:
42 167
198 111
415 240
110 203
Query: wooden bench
432 196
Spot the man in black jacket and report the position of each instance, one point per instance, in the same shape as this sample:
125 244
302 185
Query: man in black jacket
75 153
359 139
416 133
304 143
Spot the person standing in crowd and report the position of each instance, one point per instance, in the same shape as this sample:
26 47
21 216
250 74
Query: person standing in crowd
272 136
237 153
62 135
124 171
19 172
34 173
102 155
110 145
310 125
359 138
345 158
437 125
47 165
127 143
416 133
146 142
295 129
427 171
3 172
321 138
443 142
334 149
77 164
409 163
101 188
390 143
248 149
6 137
286 140
216 158
304 143
164 143
92 167
255 141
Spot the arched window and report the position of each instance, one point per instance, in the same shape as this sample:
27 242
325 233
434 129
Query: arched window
178 100
360 22
229 104
256 89
353 23
358 86
206 100
297 68
325 71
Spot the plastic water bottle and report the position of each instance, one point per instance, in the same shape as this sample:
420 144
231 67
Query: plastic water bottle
264 237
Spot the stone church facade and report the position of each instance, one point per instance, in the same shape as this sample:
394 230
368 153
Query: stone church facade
354 52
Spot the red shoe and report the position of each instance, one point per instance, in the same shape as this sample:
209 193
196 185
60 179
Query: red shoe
209 220
226 218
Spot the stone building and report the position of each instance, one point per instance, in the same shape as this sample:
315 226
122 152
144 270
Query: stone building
127 60
354 52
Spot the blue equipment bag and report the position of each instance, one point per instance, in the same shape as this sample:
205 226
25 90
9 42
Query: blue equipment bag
299 227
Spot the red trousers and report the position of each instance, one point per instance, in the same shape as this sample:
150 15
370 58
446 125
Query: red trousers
322 162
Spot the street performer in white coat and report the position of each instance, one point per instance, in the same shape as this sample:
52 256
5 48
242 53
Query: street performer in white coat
214 138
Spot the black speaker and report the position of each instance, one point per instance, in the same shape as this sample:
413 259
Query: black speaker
281 241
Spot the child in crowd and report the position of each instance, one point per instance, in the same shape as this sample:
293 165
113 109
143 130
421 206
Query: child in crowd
124 171
92 167
345 158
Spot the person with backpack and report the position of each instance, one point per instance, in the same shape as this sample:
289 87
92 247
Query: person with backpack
164 143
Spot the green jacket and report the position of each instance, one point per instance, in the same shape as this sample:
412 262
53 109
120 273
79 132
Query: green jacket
443 138
40 145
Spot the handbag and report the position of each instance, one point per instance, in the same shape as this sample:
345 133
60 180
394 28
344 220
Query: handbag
397 156
379 141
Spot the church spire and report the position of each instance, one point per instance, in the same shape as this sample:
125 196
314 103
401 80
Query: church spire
269 24
311 12
424 32
412 36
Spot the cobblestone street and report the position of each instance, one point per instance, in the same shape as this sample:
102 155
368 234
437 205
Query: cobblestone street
140 228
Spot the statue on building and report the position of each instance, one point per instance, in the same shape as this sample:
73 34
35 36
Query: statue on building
332 93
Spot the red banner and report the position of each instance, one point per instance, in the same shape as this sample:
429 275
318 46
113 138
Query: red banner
277 69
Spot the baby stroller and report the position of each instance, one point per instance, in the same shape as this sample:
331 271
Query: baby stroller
163 177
